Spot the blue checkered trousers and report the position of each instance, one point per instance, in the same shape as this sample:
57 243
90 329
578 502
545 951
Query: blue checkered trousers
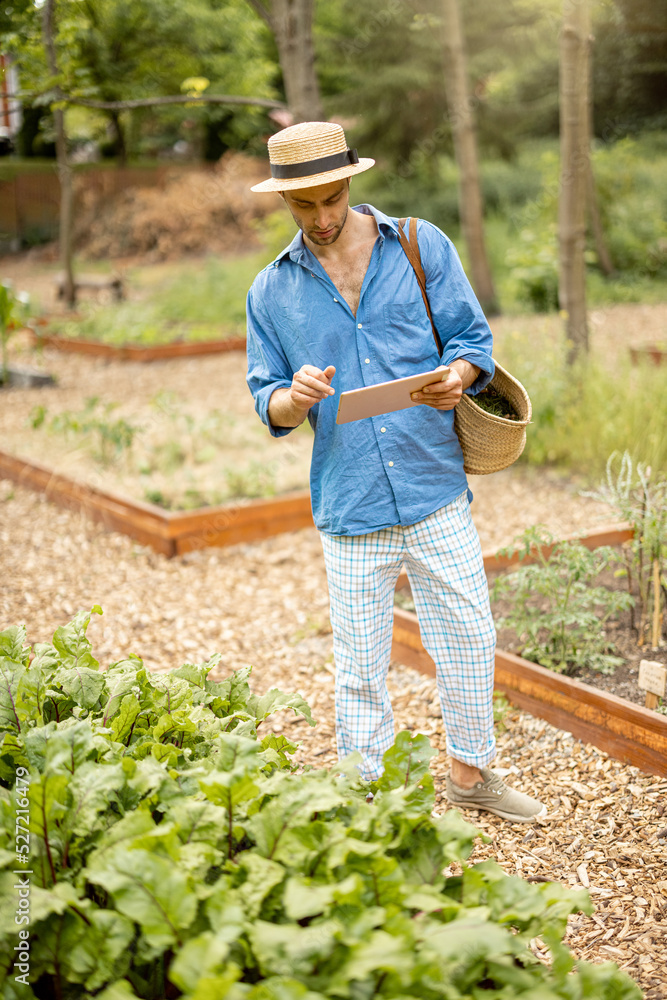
443 559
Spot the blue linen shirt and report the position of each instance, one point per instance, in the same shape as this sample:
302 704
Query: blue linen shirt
381 471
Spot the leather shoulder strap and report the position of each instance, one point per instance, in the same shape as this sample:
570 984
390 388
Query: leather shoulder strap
411 247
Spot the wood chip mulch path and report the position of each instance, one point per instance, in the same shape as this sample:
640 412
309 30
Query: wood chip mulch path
266 604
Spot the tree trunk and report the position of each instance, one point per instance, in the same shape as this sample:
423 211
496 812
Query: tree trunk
462 123
64 167
291 22
121 145
574 176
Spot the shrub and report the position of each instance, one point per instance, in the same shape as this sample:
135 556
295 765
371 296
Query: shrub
173 852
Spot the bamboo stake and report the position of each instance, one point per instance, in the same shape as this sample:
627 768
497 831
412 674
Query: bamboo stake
655 635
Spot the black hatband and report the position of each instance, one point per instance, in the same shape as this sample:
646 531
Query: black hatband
311 167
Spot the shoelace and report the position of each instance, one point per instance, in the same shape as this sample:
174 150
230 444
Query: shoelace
494 784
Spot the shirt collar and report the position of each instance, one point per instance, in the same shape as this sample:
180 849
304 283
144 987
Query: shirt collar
297 247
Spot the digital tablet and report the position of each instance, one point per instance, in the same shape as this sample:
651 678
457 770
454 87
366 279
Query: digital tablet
385 397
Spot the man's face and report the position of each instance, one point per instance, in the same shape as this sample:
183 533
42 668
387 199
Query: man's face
320 212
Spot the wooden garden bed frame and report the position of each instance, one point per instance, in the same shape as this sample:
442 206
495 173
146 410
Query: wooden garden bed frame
168 532
135 352
627 732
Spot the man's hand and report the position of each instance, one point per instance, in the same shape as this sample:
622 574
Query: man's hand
288 407
445 395
310 385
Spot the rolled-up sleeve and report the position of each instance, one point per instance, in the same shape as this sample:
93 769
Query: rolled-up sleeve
458 316
268 368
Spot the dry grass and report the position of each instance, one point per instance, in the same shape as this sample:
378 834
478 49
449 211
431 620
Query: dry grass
200 211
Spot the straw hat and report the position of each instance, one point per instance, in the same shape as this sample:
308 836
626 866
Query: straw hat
490 443
309 154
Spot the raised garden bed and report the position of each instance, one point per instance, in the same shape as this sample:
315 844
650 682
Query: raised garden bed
168 532
136 352
627 731
655 353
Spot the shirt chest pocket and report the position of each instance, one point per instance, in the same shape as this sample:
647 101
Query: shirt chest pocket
409 337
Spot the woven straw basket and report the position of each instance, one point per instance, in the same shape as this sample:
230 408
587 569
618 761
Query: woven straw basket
491 443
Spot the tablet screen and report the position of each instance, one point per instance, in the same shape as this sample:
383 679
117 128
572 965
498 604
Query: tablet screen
385 397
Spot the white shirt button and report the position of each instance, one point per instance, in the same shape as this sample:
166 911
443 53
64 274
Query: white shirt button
359 326
335 300
367 361
391 463
382 430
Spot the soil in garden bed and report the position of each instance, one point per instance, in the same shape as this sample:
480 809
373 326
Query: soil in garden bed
623 681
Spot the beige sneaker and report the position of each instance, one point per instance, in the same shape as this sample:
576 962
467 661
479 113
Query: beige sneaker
495 796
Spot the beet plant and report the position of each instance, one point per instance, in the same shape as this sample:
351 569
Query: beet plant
156 843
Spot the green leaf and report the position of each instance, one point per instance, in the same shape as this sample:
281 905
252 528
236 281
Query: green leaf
49 800
196 821
406 762
197 677
43 902
605 980
173 725
84 944
12 755
92 789
102 952
126 677
13 645
291 809
468 939
120 990
67 748
282 988
261 876
12 713
292 950
84 685
381 953
304 897
122 723
46 659
72 643
152 892
121 836
200 957
277 701
231 695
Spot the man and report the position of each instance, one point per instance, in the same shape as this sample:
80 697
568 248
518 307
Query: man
341 308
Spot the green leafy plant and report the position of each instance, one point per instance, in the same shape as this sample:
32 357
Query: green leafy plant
534 267
110 438
638 495
257 480
173 851
494 402
557 610
14 309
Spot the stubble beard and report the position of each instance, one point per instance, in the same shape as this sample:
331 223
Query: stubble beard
338 229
